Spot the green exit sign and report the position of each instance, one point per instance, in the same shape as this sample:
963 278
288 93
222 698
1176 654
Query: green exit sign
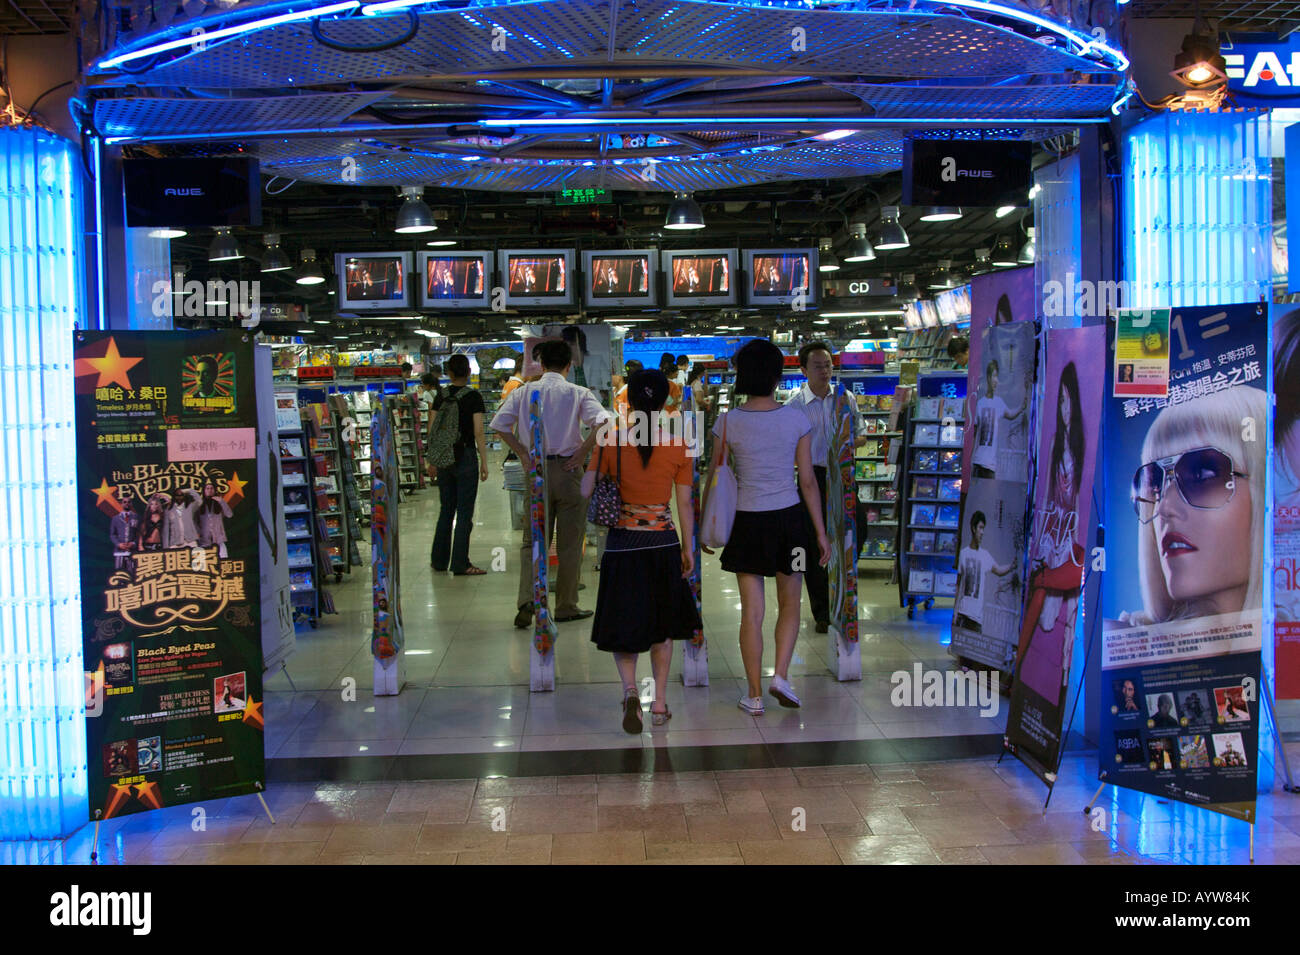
582 197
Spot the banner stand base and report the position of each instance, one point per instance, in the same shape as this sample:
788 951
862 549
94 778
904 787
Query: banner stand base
847 656
262 800
541 671
94 843
388 677
695 663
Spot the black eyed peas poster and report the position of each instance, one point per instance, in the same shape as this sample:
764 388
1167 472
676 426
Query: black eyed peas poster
166 465
1183 594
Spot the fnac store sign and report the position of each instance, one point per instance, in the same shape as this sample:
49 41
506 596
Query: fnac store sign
1264 74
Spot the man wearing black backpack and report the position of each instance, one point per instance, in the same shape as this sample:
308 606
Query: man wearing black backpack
457 457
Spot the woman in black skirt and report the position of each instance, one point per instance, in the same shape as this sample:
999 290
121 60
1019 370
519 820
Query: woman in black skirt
769 536
645 601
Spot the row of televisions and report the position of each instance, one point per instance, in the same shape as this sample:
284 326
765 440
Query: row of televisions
622 278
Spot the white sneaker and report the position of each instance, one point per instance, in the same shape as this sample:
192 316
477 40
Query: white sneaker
752 705
784 692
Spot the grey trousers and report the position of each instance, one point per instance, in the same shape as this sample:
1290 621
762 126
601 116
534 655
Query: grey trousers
566 519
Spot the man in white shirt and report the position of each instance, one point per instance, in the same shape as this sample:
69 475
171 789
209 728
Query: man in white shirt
683 369
565 408
818 403
990 412
974 564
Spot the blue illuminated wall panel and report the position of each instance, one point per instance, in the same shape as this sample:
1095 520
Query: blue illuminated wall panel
1197 209
42 746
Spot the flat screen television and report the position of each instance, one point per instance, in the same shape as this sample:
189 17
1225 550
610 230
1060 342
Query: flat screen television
455 279
779 276
372 281
701 277
620 278
953 305
537 276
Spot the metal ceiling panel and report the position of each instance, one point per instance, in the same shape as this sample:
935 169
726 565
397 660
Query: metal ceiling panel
147 116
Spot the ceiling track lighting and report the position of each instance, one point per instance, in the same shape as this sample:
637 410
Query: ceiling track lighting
224 248
942 277
891 235
1200 65
982 262
907 290
1028 251
1003 255
860 248
827 261
684 213
310 272
941 214
414 215
274 260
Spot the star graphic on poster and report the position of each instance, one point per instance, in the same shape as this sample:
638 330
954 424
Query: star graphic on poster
253 713
112 367
118 795
235 488
149 795
106 497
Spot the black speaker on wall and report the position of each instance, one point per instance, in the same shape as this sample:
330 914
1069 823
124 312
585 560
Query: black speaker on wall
197 193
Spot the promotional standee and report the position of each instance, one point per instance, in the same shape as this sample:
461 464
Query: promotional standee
1059 549
387 638
695 651
994 531
1184 592
841 510
167 469
1286 513
541 669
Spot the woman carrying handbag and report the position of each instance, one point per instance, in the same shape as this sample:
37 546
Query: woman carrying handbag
767 537
644 601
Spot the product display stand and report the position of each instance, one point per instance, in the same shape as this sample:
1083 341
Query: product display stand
405 428
541 670
932 489
349 498
695 651
298 503
842 570
875 467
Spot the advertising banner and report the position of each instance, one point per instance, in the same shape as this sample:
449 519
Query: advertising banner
1286 490
1186 488
1075 369
1141 353
167 468
994 532
386 635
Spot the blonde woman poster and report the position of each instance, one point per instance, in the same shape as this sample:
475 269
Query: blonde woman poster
1184 592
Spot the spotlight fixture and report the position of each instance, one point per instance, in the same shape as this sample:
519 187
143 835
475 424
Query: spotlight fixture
907 290
941 214
440 243
1200 65
892 235
827 261
275 260
941 278
684 213
860 249
414 215
1003 256
982 263
1029 250
1004 211
310 273
167 233
224 248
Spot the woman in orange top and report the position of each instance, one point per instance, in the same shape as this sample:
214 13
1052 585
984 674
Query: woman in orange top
645 599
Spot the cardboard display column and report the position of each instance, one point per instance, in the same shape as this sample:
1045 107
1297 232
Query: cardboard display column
841 511
278 637
695 651
387 638
167 463
541 667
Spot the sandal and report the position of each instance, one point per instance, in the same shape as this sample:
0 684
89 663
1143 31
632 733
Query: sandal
659 719
632 713
471 571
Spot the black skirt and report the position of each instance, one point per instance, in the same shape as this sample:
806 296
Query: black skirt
768 543
643 598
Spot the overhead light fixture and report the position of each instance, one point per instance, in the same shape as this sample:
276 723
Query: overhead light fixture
440 243
1003 255
892 234
1029 250
1004 211
309 273
275 260
822 321
941 214
827 261
982 263
907 290
167 233
860 249
684 213
414 215
942 278
1200 65
224 247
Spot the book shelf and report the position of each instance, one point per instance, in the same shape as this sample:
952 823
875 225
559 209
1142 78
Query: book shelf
406 433
327 487
929 346
876 463
299 510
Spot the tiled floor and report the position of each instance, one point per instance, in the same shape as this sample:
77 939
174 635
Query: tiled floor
967 812
466 668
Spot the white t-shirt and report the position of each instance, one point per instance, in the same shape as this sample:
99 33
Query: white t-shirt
989 415
763 444
973 565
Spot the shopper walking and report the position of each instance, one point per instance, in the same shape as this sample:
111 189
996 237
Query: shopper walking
458 484
516 378
645 600
565 409
769 537
817 402
621 404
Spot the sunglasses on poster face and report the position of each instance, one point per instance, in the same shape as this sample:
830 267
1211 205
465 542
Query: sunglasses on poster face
1205 479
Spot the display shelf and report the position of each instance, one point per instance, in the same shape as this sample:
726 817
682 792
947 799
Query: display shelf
296 500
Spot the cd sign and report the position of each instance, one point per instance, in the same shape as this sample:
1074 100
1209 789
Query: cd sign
857 288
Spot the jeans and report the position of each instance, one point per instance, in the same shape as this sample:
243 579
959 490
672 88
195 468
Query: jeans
457 492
